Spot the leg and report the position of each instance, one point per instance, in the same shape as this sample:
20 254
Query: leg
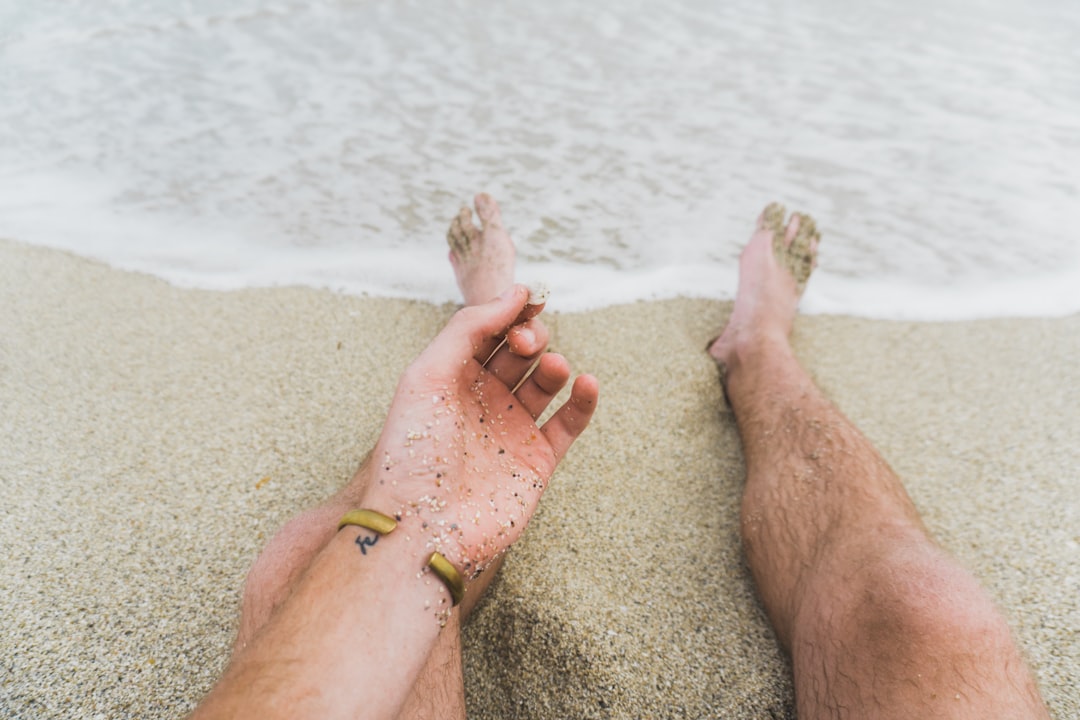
483 265
879 621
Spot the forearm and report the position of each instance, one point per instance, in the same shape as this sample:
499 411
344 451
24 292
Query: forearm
289 554
350 640
463 462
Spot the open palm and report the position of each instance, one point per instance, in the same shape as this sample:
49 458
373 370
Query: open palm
461 450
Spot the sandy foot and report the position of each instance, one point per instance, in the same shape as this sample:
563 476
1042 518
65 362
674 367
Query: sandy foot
482 258
773 270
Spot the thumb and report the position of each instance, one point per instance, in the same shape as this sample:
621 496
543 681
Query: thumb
477 331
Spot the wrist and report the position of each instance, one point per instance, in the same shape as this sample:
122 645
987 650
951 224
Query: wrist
462 523
411 544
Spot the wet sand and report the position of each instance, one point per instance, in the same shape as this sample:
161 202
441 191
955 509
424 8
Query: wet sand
155 438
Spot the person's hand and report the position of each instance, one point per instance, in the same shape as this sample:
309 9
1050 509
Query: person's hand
461 461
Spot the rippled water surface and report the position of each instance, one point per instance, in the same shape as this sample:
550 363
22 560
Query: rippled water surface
630 143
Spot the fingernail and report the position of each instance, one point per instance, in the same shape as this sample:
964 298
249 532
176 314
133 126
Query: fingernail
509 292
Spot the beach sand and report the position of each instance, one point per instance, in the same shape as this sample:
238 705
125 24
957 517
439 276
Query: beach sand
155 438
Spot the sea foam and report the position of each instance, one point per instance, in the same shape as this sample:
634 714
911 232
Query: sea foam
329 144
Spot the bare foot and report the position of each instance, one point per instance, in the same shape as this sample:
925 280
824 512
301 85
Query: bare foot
483 258
773 270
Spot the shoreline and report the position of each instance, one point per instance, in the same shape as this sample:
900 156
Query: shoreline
174 430
578 288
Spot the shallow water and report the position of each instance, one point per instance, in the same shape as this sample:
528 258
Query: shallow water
631 144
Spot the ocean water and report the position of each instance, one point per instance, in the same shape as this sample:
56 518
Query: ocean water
630 143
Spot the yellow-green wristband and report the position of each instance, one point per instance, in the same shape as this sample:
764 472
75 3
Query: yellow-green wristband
449 575
382 524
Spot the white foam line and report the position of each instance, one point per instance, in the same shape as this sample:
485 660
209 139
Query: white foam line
191 255
1048 295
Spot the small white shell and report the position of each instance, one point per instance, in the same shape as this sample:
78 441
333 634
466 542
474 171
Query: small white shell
538 293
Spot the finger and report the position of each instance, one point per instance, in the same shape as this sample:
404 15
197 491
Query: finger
572 418
527 313
530 311
528 338
489 333
524 344
545 382
475 331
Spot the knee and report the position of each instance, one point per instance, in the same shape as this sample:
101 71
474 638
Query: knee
262 586
271 577
921 602
261 580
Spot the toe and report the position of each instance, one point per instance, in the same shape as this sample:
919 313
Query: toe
772 217
488 210
465 218
792 230
801 240
772 222
814 242
801 252
462 231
